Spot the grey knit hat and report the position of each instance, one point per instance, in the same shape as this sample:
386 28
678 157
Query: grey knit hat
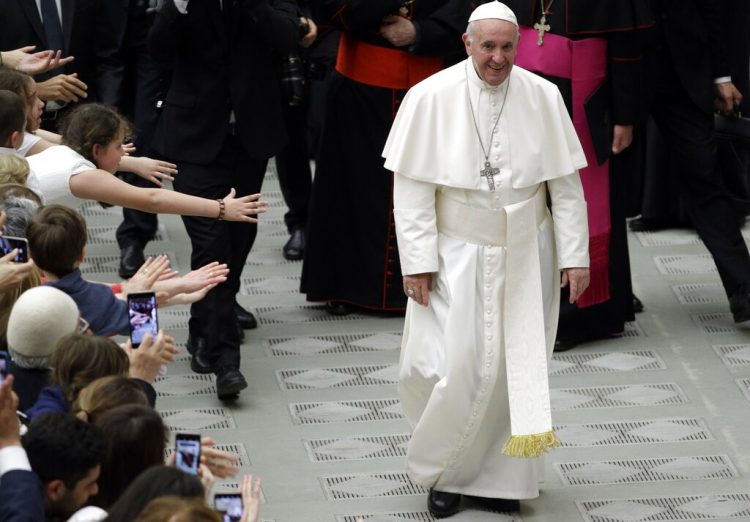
40 317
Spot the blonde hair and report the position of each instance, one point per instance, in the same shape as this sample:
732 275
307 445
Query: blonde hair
13 169
106 393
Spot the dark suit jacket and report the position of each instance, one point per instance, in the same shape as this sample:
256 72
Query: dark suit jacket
21 497
216 71
21 24
695 33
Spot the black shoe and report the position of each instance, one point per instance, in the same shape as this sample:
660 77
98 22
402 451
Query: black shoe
562 345
739 304
642 224
240 333
338 308
442 504
229 384
245 319
498 504
197 348
294 249
131 259
637 305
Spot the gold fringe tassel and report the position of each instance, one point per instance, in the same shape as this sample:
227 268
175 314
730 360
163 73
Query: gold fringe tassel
530 446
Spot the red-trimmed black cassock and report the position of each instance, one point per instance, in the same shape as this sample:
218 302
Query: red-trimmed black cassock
351 256
593 51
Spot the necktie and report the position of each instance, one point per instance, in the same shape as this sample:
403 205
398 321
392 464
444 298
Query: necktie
52 27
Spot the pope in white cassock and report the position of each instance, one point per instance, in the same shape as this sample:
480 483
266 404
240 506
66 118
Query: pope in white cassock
478 149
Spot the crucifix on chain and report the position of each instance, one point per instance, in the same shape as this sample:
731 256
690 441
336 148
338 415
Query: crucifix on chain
489 173
541 27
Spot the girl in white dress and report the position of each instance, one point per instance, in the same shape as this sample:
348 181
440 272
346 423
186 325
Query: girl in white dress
91 151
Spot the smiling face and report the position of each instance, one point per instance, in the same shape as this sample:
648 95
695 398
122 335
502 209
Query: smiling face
492 45
34 106
108 157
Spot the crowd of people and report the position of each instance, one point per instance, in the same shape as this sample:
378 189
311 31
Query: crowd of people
471 165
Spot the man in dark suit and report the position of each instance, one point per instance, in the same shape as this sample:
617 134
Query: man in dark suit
129 79
68 29
21 498
690 77
220 123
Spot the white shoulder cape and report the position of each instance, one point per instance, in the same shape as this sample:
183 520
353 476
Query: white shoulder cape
433 137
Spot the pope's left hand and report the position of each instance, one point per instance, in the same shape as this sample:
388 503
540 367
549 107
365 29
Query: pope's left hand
578 279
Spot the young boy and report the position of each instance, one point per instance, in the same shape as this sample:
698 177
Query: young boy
57 244
12 122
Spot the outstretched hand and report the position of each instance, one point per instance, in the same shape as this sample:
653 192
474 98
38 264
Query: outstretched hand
250 490
24 60
150 169
240 209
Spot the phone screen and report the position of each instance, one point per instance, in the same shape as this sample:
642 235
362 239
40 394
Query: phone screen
229 505
187 453
8 243
142 314
4 358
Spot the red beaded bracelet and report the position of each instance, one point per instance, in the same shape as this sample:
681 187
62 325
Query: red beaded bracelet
222 208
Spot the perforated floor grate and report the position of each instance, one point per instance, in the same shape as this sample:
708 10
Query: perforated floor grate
733 355
300 314
623 433
632 471
198 419
333 344
715 323
668 238
173 318
667 509
110 264
341 377
268 228
685 264
633 329
190 385
707 293
357 448
369 485
105 235
262 256
270 285
424 516
659 394
603 362
92 209
345 411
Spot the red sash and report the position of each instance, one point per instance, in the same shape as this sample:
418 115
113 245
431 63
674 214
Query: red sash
382 66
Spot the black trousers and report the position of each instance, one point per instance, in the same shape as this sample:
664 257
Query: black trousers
143 84
293 167
689 133
227 242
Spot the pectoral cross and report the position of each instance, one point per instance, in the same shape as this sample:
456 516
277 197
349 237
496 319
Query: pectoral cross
541 27
489 173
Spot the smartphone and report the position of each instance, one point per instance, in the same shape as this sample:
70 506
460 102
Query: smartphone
4 363
142 314
229 505
8 243
187 452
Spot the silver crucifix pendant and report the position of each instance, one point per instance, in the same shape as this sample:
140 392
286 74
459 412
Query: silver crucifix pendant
489 173
541 27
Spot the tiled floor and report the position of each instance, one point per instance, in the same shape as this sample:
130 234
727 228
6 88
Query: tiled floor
655 425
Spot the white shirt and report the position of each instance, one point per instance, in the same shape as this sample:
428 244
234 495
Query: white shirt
53 168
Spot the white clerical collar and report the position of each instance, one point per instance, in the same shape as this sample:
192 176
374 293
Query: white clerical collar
476 81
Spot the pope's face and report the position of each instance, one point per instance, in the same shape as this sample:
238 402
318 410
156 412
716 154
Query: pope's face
492 45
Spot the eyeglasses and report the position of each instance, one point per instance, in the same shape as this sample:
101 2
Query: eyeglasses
83 325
